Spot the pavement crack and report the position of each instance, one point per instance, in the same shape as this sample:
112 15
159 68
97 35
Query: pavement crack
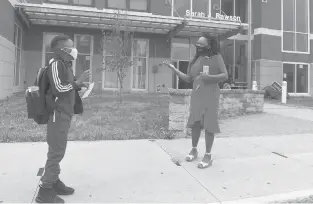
281 155
178 163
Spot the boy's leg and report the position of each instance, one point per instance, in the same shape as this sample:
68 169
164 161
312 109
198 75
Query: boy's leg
57 135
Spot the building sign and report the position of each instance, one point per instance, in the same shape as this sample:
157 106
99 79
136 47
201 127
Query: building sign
217 15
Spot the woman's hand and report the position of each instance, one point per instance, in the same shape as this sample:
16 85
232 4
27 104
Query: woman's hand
168 63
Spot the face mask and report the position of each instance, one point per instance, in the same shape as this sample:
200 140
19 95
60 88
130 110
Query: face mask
73 52
200 49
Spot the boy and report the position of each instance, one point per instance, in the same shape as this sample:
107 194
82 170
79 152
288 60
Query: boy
60 98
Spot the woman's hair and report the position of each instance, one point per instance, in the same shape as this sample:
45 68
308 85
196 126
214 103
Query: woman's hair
214 48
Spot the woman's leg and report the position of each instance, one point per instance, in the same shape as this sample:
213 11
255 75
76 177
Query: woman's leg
195 135
209 139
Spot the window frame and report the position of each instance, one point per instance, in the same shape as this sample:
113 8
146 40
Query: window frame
147 65
18 45
295 64
90 54
104 72
71 3
295 32
148 10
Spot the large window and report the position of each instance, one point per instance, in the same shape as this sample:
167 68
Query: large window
18 51
110 79
297 77
140 68
84 45
295 26
135 5
73 2
206 8
47 51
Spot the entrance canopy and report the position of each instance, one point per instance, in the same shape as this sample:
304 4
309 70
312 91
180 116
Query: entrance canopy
93 18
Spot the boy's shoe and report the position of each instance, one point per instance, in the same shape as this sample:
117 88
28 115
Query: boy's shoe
48 195
61 189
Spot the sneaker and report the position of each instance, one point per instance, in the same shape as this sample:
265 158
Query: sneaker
61 189
48 195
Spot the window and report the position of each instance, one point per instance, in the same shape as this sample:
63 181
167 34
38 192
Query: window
140 58
297 77
84 45
110 79
18 51
136 5
73 2
295 26
47 51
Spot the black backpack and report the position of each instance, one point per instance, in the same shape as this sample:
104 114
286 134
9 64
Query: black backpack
36 98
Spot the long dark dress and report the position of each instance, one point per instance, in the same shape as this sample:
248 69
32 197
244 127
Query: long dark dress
204 101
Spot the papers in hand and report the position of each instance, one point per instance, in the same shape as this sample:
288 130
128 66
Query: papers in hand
90 87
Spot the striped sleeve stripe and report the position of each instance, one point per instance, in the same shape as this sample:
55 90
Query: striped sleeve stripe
57 81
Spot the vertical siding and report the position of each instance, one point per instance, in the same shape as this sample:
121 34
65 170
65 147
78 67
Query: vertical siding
7 56
7 20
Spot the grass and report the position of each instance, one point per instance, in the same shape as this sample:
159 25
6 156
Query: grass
141 116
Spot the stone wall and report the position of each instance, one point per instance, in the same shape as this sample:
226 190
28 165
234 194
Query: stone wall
232 103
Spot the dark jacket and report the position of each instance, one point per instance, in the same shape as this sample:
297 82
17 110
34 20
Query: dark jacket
63 90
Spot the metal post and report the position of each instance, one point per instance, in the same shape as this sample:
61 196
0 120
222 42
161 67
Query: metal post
249 71
284 92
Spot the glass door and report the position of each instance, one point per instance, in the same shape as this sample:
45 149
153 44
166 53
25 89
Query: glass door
84 45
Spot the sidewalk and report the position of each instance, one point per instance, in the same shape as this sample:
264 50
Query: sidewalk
289 111
143 171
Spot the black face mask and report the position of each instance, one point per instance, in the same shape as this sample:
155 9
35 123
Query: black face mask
201 50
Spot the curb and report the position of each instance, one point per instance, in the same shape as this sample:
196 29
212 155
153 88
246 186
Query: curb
274 198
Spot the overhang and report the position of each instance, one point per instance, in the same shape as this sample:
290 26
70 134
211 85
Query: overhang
93 18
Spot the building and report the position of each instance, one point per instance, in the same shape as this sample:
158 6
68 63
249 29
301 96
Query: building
279 48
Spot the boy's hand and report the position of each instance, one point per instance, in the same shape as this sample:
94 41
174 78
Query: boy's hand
85 75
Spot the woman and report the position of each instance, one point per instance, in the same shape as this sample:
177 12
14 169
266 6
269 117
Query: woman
204 101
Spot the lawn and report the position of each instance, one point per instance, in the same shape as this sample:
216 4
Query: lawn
140 116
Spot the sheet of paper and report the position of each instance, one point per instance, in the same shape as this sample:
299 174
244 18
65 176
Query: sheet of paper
90 87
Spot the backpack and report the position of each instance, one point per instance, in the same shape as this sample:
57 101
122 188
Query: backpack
36 99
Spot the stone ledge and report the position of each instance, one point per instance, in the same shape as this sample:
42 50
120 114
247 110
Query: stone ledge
187 92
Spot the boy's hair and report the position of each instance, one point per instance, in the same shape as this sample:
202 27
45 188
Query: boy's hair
58 39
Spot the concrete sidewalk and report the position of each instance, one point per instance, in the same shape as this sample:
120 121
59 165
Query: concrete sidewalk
143 171
289 111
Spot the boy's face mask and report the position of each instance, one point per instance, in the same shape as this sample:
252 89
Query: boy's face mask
72 52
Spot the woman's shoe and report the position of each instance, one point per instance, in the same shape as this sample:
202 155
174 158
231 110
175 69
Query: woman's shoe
192 155
204 165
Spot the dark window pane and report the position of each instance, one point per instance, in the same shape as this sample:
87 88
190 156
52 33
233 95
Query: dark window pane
141 5
82 64
227 7
302 16
302 78
201 7
119 4
83 2
180 49
289 74
83 44
241 10
302 42
181 7
15 34
110 76
289 41
289 15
